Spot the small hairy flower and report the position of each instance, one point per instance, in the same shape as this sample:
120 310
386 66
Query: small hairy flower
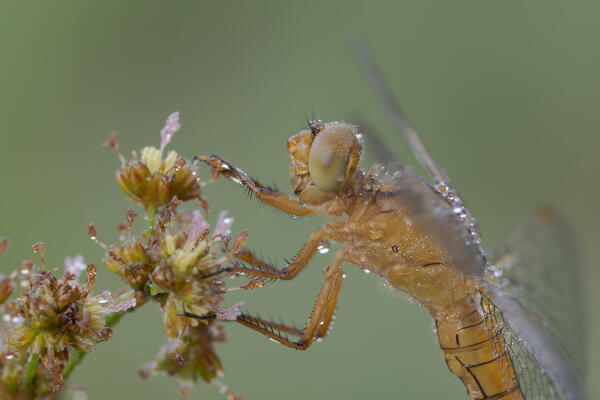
54 315
187 259
189 255
198 360
154 180
130 262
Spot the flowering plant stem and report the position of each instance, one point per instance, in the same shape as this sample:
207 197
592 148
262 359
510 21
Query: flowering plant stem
77 356
30 370
150 214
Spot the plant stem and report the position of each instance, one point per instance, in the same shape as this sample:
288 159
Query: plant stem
150 214
30 370
113 319
77 356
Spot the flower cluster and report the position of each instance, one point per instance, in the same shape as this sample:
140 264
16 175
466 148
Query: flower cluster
178 263
153 181
48 323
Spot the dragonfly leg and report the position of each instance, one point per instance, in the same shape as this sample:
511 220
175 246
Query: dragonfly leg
268 195
322 314
267 325
333 231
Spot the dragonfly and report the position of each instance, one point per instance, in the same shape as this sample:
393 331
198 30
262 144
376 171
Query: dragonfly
510 322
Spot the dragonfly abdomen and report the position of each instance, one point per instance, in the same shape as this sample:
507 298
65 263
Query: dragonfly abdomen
476 354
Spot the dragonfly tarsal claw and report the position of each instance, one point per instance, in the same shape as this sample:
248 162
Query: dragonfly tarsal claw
215 162
216 272
188 314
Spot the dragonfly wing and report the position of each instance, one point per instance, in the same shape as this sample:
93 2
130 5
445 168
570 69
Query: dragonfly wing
535 282
542 366
436 216
397 113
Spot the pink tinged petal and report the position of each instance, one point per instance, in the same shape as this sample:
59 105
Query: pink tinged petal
124 305
112 306
229 313
171 126
74 265
224 223
197 226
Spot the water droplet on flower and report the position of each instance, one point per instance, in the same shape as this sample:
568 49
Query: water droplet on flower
319 340
9 356
343 276
6 318
367 271
323 249
102 301
24 272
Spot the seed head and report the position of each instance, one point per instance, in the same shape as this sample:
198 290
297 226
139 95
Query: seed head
154 181
55 315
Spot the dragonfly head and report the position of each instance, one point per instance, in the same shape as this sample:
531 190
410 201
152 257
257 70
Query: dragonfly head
323 159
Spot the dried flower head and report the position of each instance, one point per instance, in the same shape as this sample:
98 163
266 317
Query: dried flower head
177 262
130 262
55 315
177 265
185 274
154 181
187 259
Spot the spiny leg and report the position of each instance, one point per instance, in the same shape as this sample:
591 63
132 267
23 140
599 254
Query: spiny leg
256 322
268 195
330 310
269 326
321 316
333 231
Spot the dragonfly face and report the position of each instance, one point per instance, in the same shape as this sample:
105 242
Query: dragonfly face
323 160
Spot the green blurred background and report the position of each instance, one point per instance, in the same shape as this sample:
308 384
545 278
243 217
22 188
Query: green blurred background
505 95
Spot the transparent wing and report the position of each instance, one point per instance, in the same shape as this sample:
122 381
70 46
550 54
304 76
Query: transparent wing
535 381
536 285
397 113
437 211
447 222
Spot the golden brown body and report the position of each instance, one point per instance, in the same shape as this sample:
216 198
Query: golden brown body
385 243
379 235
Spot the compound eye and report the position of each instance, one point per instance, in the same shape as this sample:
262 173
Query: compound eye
330 155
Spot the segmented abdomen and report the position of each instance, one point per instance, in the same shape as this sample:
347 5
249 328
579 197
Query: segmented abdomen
475 352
